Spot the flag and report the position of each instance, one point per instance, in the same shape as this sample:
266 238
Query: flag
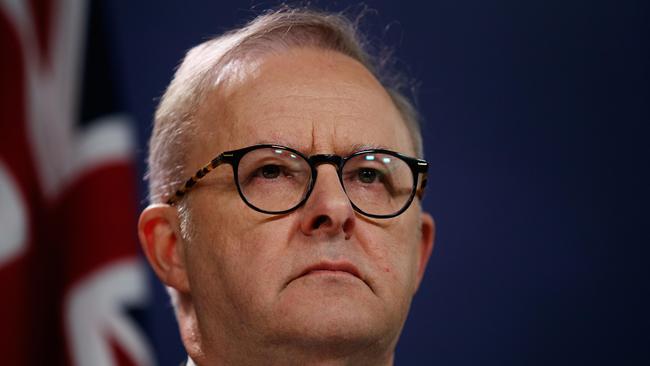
70 274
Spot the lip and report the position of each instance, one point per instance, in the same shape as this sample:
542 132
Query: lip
345 267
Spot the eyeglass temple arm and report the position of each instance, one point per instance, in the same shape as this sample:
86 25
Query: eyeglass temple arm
422 168
195 179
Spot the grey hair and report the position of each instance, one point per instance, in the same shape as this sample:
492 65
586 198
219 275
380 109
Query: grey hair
272 32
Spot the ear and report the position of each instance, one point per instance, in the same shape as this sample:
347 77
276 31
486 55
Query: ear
427 238
159 232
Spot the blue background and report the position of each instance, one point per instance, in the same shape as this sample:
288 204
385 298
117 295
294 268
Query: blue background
535 126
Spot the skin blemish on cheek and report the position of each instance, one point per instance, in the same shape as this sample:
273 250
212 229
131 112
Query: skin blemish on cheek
386 269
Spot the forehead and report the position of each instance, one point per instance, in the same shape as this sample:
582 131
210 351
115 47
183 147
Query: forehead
313 100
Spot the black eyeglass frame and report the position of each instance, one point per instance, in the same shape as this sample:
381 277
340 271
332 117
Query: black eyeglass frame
417 166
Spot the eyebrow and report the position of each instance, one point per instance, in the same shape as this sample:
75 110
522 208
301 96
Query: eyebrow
276 142
345 152
361 147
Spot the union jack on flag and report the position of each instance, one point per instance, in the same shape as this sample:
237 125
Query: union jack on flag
69 266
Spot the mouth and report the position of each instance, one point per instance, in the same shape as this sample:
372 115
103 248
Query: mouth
332 268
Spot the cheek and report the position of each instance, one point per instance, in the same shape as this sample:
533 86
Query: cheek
239 253
394 255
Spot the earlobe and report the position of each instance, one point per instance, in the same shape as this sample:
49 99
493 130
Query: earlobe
158 230
428 230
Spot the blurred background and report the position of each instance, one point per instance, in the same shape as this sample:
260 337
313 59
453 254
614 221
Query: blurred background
535 126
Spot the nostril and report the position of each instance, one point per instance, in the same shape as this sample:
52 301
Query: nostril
320 220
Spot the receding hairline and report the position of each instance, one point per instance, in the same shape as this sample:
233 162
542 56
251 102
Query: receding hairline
253 72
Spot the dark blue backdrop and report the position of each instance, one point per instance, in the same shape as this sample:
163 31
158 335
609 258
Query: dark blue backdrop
535 127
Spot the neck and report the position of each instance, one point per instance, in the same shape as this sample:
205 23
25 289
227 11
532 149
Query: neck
237 350
293 358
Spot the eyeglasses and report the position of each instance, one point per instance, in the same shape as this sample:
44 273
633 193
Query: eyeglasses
275 179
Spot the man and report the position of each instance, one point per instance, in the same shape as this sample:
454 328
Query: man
302 240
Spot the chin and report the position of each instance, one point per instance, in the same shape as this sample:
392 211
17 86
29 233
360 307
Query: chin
332 311
332 330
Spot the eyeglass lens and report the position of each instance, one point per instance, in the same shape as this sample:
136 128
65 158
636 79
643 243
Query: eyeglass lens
276 180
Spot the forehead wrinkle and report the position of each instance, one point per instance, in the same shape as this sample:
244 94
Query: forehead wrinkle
324 133
276 105
258 133
294 100
341 147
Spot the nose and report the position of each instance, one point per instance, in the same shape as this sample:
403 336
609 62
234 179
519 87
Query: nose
328 210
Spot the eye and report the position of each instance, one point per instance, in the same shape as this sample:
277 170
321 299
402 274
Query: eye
367 175
270 171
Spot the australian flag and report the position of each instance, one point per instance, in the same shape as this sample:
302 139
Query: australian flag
70 276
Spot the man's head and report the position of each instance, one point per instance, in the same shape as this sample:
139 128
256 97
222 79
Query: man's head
323 282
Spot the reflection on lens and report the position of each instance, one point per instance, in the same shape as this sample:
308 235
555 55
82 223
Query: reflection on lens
273 179
378 184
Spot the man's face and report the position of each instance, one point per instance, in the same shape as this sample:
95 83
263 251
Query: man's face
248 271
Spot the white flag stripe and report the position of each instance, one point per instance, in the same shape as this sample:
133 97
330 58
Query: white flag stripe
94 315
